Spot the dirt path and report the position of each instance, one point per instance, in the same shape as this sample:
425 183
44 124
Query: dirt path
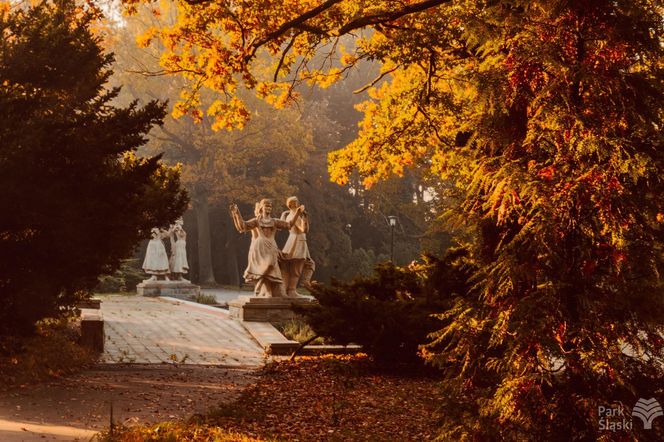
78 407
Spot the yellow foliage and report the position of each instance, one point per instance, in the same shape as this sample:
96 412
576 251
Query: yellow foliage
144 40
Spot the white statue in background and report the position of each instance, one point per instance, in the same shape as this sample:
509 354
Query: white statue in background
299 265
263 267
178 262
156 258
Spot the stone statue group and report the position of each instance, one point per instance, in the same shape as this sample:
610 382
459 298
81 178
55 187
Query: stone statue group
276 272
158 264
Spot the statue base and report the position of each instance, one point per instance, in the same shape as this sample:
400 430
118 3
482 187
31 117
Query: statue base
261 309
174 289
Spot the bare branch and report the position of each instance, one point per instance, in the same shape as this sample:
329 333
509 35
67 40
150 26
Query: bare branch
283 56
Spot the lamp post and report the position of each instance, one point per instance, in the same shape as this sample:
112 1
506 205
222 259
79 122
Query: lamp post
393 223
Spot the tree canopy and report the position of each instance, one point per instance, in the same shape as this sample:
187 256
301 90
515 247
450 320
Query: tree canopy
278 153
546 118
75 198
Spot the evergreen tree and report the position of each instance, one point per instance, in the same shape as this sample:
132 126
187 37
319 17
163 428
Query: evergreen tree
75 199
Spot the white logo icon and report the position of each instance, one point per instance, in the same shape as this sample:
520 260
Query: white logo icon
647 410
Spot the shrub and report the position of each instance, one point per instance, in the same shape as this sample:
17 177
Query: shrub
124 279
390 313
51 352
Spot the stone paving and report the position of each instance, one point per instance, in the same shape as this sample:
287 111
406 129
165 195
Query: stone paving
162 330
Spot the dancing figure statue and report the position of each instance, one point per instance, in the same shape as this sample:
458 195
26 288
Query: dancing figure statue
264 255
156 258
178 262
300 266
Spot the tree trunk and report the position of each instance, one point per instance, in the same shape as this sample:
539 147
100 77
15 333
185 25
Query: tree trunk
231 255
202 209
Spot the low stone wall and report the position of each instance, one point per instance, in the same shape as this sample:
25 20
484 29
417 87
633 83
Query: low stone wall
92 329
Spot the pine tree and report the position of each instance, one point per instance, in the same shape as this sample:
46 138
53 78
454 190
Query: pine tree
564 194
75 199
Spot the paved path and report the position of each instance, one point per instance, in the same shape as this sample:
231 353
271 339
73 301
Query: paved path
75 408
163 330
164 359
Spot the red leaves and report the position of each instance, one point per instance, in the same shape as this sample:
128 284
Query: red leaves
588 267
523 74
336 398
609 57
619 257
547 173
515 198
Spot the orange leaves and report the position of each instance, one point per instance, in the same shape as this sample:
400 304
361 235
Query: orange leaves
283 98
323 79
228 115
4 8
394 134
348 59
265 89
219 47
144 40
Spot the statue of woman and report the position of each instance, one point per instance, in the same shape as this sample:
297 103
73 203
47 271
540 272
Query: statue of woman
264 254
298 260
179 264
156 259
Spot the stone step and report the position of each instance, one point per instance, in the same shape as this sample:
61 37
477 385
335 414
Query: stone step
268 337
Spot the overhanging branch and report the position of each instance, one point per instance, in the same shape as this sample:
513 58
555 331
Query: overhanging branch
385 17
296 23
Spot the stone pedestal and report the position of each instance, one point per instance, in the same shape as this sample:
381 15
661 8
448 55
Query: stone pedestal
174 289
259 309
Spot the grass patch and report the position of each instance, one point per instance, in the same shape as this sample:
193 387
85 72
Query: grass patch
52 352
300 331
244 288
203 298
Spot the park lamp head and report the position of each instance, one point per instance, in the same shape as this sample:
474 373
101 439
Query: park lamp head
392 220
